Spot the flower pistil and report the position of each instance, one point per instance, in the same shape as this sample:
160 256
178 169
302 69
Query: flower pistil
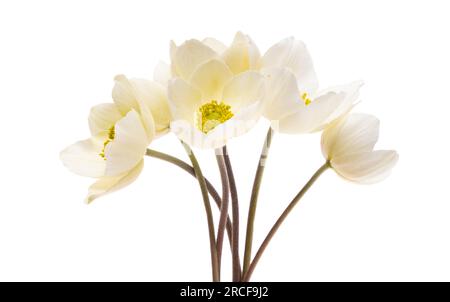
212 114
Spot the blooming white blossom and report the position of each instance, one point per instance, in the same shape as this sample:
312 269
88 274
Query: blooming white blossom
210 100
120 134
348 144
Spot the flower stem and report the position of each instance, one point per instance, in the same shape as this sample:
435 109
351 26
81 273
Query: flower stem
209 215
280 220
254 199
188 168
235 213
224 206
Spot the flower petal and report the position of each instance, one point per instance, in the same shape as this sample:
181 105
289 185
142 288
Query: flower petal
162 73
243 90
215 45
184 100
353 134
102 117
123 95
128 146
239 124
293 54
83 158
242 122
154 107
187 57
343 105
282 96
367 167
209 78
110 184
135 92
242 55
188 132
311 118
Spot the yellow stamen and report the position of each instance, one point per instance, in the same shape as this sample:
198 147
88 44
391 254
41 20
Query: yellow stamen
111 135
306 99
212 114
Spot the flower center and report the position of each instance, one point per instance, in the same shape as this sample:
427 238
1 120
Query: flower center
306 99
111 135
212 114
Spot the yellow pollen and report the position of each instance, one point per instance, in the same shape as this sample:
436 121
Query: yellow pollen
212 114
306 99
111 135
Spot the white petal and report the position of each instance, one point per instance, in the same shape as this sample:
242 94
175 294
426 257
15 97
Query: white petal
137 92
209 78
293 54
351 92
162 73
123 95
187 57
84 158
312 117
102 117
189 133
353 134
215 45
154 107
238 125
128 146
184 100
367 167
242 122
282 97
110 184
242 55
243 90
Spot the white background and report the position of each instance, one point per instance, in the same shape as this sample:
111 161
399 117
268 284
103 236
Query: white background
58 58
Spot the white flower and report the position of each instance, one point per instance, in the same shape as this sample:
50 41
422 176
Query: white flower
209 102
293 103
348 144
120 133
242 55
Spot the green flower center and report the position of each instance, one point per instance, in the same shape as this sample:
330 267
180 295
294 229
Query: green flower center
111 135
212 114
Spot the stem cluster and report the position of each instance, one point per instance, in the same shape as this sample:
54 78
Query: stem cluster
232 225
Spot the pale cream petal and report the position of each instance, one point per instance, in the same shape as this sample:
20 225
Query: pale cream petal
154 107
84 158
243 90
242 122
162 73
311 118
184 100
367 167
282 97
108 184
355 133
188 56
209 78
351 92
102 117
189 133
242 55
215 45
128 146
293 54
137 91
123 95
239 124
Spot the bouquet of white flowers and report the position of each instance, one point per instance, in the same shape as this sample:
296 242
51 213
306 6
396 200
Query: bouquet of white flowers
211 93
